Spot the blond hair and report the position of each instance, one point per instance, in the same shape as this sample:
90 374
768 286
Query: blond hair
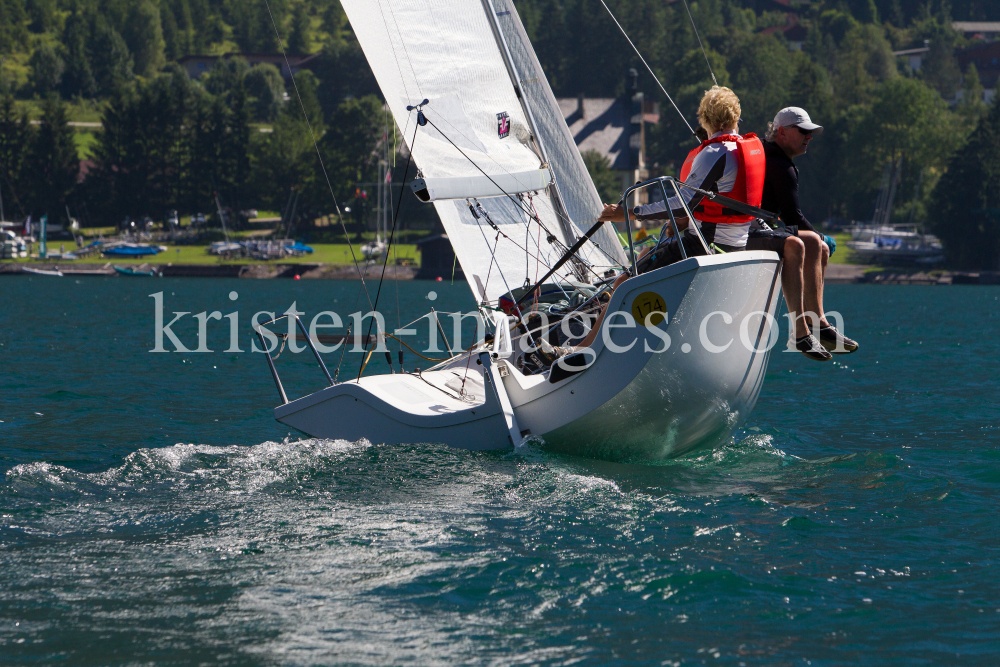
719 109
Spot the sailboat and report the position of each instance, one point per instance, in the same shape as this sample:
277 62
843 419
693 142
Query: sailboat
374 249
496 160
881 241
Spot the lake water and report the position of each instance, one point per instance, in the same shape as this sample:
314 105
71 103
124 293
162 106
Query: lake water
152 511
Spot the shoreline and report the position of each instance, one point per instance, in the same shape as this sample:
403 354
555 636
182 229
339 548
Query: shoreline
836 274
257 271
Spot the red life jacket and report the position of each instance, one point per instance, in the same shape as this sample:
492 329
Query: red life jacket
749 187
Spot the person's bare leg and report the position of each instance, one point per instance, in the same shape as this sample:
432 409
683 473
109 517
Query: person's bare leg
592 336
791 283
813 271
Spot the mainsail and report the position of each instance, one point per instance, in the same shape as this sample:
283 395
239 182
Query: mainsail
479 139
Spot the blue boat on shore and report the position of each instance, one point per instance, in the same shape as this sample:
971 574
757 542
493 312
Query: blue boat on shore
131 251
128 271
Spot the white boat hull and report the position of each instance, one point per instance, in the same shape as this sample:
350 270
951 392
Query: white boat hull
629 404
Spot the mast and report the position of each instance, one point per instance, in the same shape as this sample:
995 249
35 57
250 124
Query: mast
554 194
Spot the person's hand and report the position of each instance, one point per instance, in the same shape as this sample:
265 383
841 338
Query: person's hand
612 213
668 231
830 243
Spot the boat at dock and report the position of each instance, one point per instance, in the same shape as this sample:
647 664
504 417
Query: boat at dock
52 273
147 272
894 244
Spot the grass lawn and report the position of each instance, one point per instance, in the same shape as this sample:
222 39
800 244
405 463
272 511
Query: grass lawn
844 255
195 254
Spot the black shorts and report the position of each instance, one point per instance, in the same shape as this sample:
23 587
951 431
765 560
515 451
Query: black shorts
771 239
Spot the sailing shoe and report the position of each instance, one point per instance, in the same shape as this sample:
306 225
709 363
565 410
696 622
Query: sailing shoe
835 341
809 346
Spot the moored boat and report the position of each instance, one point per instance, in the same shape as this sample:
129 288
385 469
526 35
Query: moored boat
136 271
53 273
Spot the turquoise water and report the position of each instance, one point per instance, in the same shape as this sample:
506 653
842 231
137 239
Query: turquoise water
152 511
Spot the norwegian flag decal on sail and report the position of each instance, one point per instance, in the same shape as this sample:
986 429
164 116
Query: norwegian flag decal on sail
503 124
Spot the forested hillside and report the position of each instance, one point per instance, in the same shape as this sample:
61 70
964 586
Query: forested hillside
168 141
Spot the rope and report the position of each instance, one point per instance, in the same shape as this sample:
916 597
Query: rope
395 255
703 52
388 335
392 236
647 66
322 165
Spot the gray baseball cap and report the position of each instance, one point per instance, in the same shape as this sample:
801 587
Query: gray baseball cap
798 117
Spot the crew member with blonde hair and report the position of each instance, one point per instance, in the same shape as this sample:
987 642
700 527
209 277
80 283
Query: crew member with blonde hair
725 162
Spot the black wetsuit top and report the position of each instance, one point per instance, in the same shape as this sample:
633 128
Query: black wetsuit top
781 187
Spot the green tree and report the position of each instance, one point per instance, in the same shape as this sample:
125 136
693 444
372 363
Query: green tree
300 39
77 79
606 180
940 66
762 69
233 178
283 159
266 89
253 30
42 13
972 107
109 57
172 44
16 132
226 75
52 162
349 147
181 11
46 69
863 60
905 119
143 34
117 184
305 87
965 204
13 35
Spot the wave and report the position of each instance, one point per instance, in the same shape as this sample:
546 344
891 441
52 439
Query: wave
229 469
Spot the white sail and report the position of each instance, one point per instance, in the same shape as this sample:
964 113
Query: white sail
445 51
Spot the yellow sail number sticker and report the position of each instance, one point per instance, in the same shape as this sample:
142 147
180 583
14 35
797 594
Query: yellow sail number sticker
646 303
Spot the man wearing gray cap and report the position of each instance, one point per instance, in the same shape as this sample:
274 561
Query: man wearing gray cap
804 250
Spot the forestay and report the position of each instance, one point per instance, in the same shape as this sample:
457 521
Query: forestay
445 51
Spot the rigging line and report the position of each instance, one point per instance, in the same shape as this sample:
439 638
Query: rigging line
493 258
394 56
517 307
395 255
703 52
392 235
406 51
516 244
655 78
478 168
531 202
319 156
508 195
